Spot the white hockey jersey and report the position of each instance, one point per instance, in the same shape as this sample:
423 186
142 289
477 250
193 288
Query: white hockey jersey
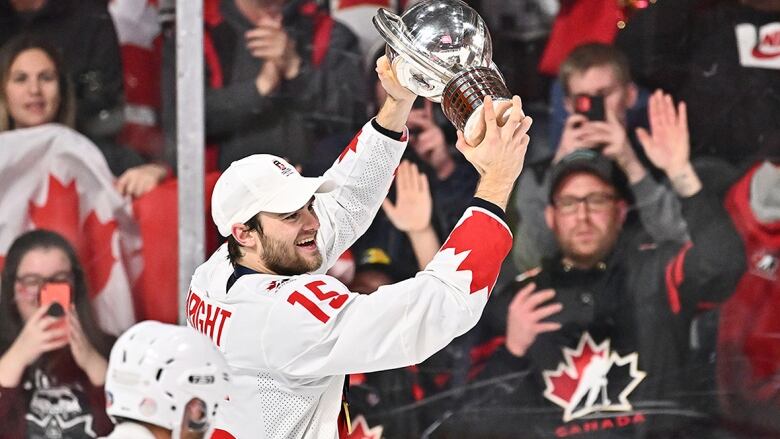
291 340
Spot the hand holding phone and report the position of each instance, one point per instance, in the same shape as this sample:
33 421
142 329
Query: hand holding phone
56 298
589 106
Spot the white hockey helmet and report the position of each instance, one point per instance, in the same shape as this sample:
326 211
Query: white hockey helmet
155 369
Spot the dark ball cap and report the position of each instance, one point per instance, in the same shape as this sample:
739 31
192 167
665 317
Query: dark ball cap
591 162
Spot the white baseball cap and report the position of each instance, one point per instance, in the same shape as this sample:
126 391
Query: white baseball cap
261 183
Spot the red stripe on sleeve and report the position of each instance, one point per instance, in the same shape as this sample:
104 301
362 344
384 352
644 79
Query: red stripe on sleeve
675 277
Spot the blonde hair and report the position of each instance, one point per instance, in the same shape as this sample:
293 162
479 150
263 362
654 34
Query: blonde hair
591 55
66 113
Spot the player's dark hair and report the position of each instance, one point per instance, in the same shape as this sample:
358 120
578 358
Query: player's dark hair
234 248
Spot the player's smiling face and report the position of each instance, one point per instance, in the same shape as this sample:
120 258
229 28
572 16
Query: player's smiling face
288 243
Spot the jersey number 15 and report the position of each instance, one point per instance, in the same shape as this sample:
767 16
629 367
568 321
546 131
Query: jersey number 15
334 300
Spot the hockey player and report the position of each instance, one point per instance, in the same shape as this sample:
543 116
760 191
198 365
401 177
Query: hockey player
289 333
164 381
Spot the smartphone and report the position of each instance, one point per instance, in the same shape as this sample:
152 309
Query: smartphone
58 293
589 106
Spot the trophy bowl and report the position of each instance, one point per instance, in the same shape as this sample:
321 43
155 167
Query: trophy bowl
441 50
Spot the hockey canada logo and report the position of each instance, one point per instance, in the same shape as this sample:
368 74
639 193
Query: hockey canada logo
765 264
581 384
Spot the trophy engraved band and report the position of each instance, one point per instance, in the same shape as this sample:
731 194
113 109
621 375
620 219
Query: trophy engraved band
464 94
441 50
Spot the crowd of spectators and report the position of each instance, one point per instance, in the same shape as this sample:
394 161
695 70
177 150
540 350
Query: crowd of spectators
641 294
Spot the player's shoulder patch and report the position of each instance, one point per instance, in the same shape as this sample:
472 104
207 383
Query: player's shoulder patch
273 285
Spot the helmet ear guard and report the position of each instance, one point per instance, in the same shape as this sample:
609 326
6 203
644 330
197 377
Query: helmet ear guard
160 374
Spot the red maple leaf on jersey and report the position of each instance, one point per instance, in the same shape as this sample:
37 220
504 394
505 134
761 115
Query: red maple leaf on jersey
564 381
360 430
580 384
351 147
488 241
92 240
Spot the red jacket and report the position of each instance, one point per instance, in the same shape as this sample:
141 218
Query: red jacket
748 348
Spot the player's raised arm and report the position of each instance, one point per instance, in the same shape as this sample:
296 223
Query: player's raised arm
405 323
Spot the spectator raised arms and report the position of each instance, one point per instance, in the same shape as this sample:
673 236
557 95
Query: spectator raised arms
601 330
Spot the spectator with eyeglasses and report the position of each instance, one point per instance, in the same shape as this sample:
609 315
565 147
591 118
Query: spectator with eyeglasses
594 342
53 359
599 92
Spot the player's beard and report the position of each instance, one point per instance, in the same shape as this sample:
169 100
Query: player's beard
285 260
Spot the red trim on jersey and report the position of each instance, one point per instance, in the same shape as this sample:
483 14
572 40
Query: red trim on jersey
675 277
221 434
351 147
487 241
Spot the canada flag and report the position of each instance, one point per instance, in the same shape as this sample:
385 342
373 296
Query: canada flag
51 177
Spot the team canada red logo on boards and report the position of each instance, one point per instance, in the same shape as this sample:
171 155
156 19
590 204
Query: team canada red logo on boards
580 385
759 46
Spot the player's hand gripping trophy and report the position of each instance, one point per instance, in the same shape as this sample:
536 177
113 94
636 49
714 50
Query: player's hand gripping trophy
441 50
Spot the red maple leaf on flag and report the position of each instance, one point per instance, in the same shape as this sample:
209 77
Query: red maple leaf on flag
92 240
95 251
351 147
488 241
60 211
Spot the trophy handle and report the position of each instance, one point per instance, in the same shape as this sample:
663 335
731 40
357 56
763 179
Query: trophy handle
392 29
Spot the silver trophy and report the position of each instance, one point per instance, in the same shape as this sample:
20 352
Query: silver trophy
441 49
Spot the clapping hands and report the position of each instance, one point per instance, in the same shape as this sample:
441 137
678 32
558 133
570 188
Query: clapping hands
413 204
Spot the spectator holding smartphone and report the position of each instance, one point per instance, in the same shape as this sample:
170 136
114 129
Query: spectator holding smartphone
51 375
597 84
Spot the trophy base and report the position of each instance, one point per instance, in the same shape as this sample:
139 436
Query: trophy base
463 97
474 131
